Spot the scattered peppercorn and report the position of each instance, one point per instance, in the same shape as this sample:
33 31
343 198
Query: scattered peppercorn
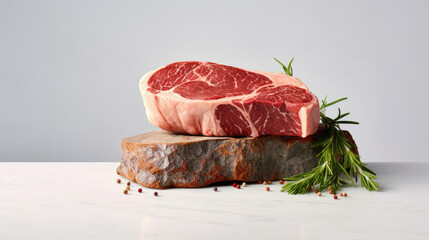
309 189
128 188
269 182
238 186
319 194
335 197
281 181
234 184
330 191
316 191
341 194
265 183
128 183
267 189
345 195
259 181
118 181
244 184
155 193
125 191
140 190
215 189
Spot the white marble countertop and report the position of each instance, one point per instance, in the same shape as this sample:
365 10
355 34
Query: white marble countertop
83 201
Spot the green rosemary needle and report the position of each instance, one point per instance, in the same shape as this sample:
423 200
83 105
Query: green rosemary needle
288 70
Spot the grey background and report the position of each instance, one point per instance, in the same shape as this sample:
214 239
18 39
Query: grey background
69 70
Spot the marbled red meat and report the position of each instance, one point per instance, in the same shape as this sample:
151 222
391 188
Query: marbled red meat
203 98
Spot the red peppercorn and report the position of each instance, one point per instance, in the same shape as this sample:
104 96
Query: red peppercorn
125 191
344 194
265 182
316 191
341 194
309 189
267 189
128 183
118 181
269 182
140 190
234 184
155 193
281 181
335 197
260 181
215 189
238 186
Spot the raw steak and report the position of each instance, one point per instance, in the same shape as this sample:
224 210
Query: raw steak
203 98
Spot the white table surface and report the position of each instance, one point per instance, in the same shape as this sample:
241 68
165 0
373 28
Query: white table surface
83 201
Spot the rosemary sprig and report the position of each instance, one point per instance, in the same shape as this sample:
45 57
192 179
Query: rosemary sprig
334 147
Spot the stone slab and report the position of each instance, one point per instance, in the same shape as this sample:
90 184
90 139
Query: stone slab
162 159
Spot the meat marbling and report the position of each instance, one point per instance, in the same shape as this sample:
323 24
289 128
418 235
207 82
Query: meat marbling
204 98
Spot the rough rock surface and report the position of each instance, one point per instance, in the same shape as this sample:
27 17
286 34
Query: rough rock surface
161 159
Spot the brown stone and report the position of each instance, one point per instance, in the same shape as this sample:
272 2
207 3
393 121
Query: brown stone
161 159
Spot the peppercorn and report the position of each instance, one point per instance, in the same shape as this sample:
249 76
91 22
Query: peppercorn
345 195
316 191
215 189
125 191
319 194
269 182
140 190
118 181
265 182
335 197
281 181
238 186
244 184
267 189
128 183
155 193
234 184
341 194
330 191
259 181
128 188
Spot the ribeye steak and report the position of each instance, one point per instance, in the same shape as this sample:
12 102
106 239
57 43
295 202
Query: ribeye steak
203 98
